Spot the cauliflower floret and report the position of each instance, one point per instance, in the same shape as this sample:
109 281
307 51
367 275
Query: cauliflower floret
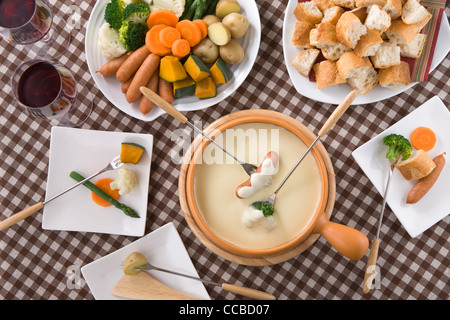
126 180
176 6
109 42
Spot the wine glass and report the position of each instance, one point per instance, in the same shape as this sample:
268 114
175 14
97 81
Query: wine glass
47 90
30 22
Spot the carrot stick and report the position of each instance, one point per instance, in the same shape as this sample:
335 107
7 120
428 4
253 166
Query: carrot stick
181 48
153 43
168 35
423 138
162 16
189 31
103 184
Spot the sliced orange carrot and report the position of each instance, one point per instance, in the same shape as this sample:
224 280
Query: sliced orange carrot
181 48
203 27
162 16
189 31
168 35
104 184
153 43
423 138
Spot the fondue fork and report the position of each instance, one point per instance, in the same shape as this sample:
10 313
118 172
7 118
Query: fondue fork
163 104
334 117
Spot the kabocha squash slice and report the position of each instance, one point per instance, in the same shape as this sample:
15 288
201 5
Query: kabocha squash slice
220 72
131 152
171 69
196 68
184 88
205 88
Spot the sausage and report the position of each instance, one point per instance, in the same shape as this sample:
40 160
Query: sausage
146 105
110 68
166 90
132 64
424 184
142 77
260 178
126 85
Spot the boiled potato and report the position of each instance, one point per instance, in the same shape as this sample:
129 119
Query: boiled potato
134 263
232 52
225 7
219 33
237 23
206 50
210 19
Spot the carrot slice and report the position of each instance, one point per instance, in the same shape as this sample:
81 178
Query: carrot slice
104 185
423 138
203 27
153 43
162 16
168 35
181 48
189 31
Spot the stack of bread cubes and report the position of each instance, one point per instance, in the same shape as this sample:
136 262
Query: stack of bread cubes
362 41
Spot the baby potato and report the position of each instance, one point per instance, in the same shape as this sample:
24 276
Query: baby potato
237 23
219 33
210 19
134 263
232 52
206 50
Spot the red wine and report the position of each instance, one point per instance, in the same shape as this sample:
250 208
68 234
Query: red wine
16 13
27 20
39 85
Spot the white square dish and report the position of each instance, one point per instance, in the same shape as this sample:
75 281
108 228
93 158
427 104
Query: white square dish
162 248
87 152
371 157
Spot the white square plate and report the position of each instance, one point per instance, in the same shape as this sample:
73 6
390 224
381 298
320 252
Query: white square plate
87 152
371 157
162 248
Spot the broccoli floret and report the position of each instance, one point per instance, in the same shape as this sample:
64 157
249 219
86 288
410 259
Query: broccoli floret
265 207
132 35
136 13
113 14
398 146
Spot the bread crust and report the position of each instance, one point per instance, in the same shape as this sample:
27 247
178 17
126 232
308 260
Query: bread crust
327 74
300 37
350 61
398 74
417 166
302 14
371 38
406 32
343 27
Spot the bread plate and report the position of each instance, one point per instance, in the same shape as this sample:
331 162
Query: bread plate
335 94
111 88
371 157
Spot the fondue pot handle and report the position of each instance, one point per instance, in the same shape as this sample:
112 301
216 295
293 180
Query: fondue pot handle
163 104
349 242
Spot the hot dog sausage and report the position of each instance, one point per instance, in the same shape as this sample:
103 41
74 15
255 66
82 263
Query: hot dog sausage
142 77
132 64
145 105
267 168
110 68
424 184
166 90
126 85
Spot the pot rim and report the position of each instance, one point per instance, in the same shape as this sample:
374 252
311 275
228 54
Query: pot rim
286 123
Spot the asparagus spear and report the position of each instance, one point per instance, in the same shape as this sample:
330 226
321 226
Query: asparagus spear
127 210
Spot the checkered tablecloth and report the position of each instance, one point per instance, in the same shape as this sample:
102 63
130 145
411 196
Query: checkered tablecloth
34 263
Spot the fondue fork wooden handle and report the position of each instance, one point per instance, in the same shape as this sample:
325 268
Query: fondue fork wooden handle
371 265
19 216
247 292
163 104
338 112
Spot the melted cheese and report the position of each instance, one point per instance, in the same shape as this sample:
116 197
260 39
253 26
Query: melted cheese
297 201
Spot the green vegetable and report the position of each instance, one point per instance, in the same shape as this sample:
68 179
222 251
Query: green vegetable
211 7
127 210
136 13
113 14
398 146
200 10
265 207
132 35
189 11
